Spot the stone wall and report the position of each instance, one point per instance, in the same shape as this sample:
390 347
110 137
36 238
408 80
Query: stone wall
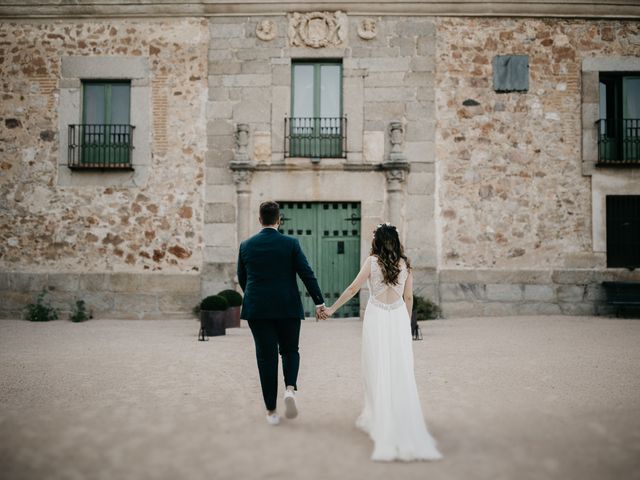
511 189
103 225
515 213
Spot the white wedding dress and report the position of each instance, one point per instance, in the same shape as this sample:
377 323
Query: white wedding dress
392 414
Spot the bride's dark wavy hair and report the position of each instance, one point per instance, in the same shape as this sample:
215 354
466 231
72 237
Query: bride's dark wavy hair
387 247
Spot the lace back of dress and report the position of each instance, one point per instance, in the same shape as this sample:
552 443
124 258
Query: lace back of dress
384 293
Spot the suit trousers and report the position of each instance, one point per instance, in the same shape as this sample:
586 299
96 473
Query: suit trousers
271 336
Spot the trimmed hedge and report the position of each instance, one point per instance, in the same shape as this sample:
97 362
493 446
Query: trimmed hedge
214 303
233 298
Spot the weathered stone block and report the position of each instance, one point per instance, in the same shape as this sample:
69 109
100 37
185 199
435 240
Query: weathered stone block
423 64
135 303
219 254
218 176
462 291
4 281
220 127
498 309
504 292
171 282
246 80
221 193
420 152
220 234
388 94
383 79
571 293
125 282
224 67
397 64
218 158
577 308
219 213
537 308
426 45
420 183
63 282
27 282
98 302
539 292
179 302
226 30
415 26
217 109
16 301
460 309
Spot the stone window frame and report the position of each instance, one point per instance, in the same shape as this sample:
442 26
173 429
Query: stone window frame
353 102
591 68
75 69
604 181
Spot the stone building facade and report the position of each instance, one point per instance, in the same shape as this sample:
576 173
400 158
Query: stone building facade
498 196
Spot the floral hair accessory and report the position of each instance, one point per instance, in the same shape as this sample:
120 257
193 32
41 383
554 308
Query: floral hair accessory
385 224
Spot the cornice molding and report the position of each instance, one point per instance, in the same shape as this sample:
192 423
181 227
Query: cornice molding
63 9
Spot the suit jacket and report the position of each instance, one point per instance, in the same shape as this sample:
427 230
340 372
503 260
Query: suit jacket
267 266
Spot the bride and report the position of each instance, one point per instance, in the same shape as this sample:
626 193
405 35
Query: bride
392 415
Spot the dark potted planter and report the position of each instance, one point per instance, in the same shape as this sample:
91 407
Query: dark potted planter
213 315
235 305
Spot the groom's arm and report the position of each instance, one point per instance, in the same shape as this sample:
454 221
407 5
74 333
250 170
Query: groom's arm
242 270
306 274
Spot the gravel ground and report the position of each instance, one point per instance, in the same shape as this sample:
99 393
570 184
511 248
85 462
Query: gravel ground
512 398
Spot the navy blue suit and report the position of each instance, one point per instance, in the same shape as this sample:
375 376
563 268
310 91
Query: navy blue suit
268 264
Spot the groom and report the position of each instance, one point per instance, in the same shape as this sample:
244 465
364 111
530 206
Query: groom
267 266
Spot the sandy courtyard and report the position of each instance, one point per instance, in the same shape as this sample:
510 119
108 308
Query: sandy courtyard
506 398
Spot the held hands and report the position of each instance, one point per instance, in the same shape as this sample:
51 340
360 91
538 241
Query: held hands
322 312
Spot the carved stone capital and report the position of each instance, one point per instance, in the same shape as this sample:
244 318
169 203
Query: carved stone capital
396 174
242 175
317 29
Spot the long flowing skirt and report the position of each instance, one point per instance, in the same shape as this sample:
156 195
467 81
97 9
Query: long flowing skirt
392 414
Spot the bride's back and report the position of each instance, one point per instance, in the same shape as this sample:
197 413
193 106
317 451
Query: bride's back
384 292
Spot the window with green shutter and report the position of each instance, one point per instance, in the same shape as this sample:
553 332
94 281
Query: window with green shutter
317 127
104 139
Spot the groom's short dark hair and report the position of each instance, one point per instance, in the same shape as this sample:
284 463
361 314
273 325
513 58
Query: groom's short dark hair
269 213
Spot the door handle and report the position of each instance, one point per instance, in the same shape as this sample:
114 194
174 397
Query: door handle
340 247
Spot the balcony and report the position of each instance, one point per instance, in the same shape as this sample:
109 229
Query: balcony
93 146
618 142
315 137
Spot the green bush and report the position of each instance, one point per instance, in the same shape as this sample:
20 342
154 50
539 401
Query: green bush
80 314
214 302
40 311
425 308
233 297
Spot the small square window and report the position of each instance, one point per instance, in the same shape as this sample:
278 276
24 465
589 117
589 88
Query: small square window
510 73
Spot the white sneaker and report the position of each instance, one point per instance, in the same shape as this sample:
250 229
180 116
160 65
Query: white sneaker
291 409
273 419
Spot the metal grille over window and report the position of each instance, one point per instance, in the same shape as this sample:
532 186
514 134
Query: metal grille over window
100 146
316 137
104 139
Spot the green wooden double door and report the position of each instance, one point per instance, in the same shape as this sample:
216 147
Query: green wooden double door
329 234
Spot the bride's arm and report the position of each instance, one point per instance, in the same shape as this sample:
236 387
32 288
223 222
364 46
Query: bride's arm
408 293
352 289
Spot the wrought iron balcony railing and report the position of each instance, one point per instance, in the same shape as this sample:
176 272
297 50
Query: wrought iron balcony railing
618 142
315 137
100 146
